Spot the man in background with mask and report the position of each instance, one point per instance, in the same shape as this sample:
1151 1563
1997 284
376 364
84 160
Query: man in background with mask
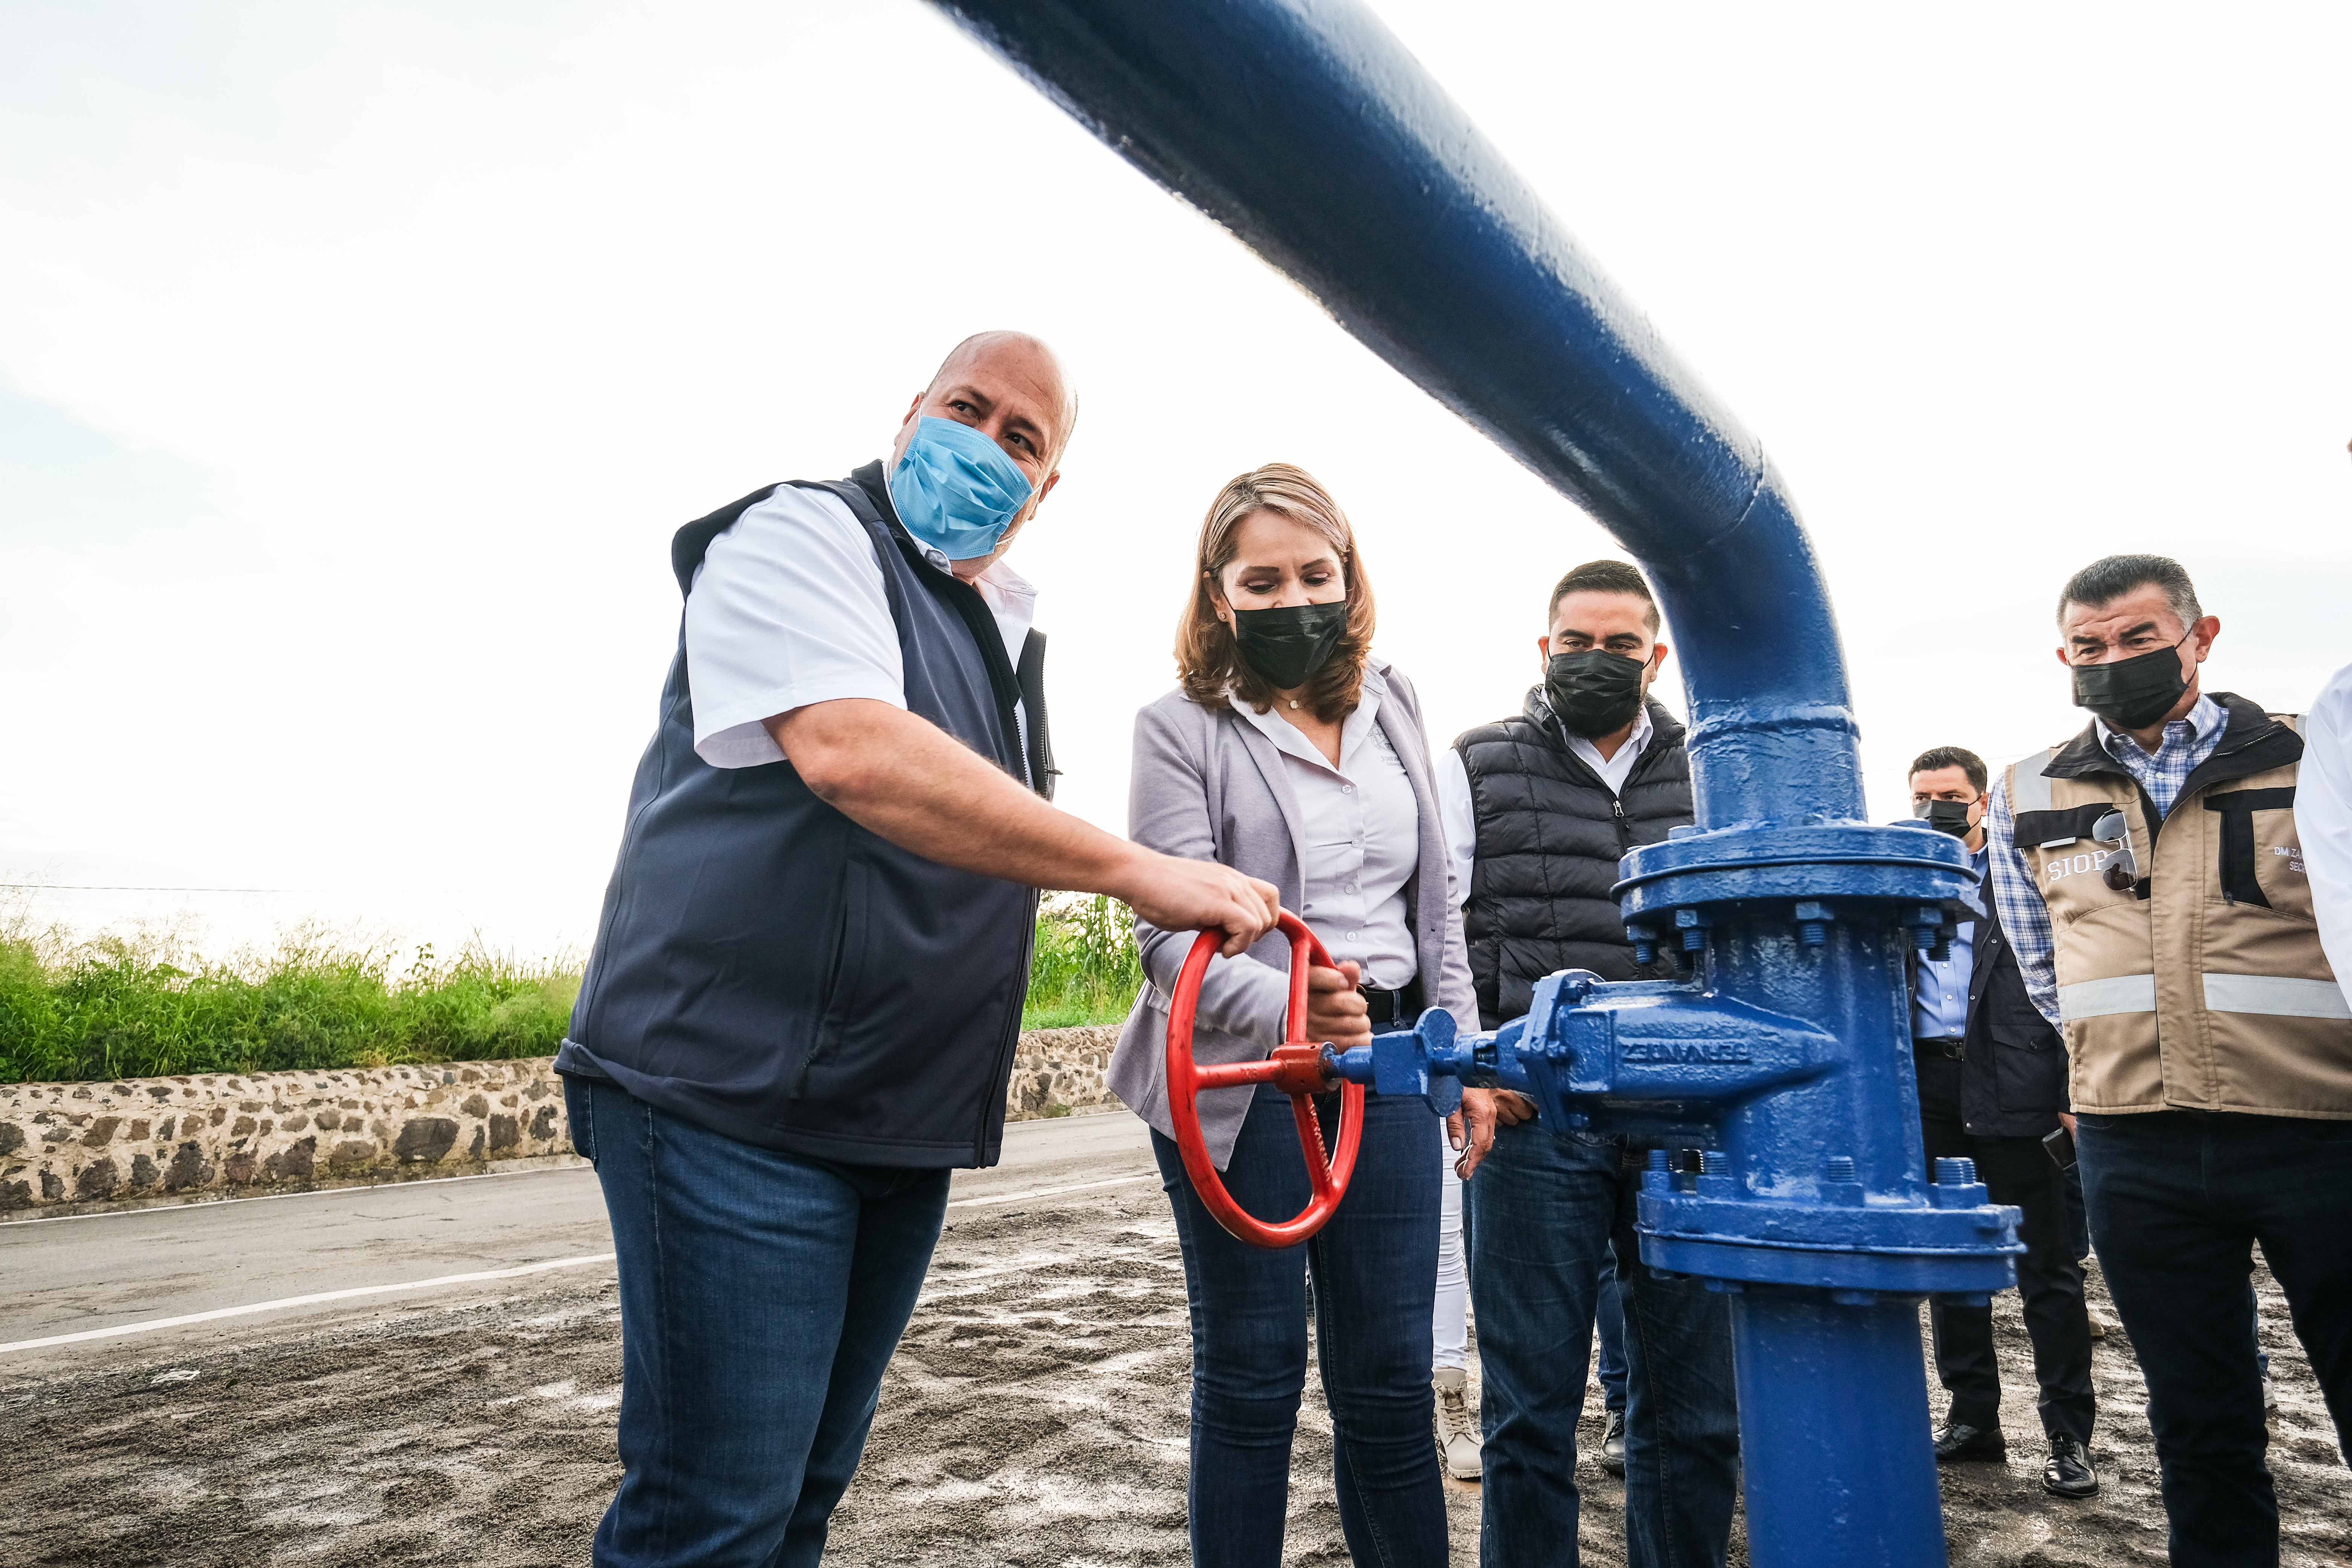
1992 1085
1538 809
801 1009
2152 883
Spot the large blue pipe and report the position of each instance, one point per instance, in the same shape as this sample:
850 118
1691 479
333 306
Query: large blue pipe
1310 133
1307 130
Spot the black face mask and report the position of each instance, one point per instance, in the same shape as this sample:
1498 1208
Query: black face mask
1950 816
1286 644
2132 693
1594 693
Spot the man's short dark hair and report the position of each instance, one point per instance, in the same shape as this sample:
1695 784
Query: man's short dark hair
1604 577
1937 758
2104 581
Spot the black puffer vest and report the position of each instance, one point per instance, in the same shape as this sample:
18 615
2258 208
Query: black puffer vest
1550 837
769 969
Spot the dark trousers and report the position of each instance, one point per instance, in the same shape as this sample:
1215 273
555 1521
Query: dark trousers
1609 1333
762 1294
2177 1200
1375 1268
2049 1276
1543 1213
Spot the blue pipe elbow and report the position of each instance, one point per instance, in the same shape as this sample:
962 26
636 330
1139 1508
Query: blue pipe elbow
1314 136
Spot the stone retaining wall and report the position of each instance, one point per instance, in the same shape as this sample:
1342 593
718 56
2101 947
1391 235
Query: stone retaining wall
188 1138
1058 1068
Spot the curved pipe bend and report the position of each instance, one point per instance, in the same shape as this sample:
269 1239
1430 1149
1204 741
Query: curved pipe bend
1308 130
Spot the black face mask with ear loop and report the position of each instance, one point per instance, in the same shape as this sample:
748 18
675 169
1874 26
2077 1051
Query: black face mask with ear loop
2133 693
1593 692
1950 816
1287 644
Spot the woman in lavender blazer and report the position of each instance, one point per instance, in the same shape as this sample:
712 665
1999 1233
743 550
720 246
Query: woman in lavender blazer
1295 755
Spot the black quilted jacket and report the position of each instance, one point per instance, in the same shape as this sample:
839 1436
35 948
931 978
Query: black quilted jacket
1549 836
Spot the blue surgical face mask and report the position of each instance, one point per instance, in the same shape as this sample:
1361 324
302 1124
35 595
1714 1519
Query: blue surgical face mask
956 490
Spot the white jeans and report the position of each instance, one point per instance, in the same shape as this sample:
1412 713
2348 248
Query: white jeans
1449 1332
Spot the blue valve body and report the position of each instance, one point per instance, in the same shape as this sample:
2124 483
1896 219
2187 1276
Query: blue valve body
1781 1053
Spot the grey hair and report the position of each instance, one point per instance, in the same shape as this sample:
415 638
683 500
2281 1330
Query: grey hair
2104 581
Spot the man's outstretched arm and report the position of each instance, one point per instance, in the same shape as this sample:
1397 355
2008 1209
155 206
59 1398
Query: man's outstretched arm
905 778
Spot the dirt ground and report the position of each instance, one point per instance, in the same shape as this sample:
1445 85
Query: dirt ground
1036 1415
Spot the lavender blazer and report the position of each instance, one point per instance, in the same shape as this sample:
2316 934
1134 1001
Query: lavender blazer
1208 786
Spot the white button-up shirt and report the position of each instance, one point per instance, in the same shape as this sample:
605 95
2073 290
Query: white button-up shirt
1940 1002
1362 835
788 608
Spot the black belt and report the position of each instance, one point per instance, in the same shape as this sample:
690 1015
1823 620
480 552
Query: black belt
1392 1009
1953 1045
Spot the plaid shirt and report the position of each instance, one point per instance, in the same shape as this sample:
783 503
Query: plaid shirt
2017 891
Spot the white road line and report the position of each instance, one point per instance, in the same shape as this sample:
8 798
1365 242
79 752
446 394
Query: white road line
1034 1192
151 1323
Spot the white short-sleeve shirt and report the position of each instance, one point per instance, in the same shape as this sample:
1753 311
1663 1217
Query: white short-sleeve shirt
1361 830
788 608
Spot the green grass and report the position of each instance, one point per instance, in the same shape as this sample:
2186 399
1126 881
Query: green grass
146 1006
1085 969
142 1006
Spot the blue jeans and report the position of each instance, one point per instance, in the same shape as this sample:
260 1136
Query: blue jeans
762 1294
1609 1324
1375 1268
2177 1201
1543 1214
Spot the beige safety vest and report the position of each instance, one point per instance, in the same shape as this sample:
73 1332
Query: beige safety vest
2204 986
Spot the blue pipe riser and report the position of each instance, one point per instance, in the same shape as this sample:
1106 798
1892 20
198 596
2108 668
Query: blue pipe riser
1314 136
1840 1483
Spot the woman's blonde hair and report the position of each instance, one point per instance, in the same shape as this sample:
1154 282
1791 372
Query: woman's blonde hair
1207 662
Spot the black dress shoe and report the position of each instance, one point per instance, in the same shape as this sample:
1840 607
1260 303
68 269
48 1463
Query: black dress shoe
2069 1472
1612 1445
1958 1440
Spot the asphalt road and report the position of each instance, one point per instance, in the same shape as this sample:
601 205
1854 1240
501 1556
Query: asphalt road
74 1275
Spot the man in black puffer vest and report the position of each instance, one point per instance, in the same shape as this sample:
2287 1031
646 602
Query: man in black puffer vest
1539 808
1549 834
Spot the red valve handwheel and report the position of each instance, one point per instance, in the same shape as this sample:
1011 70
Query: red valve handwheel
1296 1067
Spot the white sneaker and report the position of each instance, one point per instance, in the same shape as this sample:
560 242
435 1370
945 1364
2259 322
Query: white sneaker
2270 1393
1458 1442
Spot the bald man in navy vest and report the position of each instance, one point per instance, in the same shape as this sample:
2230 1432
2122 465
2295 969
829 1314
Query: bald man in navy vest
800 1010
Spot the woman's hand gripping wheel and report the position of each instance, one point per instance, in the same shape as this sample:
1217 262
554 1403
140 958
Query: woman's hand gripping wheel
1296 1067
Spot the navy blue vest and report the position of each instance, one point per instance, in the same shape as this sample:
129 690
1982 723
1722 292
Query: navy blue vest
769 969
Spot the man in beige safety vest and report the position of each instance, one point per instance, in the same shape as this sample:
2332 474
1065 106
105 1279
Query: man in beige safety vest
2153 889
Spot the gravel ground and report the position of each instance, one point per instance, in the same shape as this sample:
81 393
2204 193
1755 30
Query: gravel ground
1036 1415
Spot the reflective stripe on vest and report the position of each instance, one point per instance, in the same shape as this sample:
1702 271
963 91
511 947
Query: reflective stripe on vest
2273 995
2032 783
2099 998
2276 996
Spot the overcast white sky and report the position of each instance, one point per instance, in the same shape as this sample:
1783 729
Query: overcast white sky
357 362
